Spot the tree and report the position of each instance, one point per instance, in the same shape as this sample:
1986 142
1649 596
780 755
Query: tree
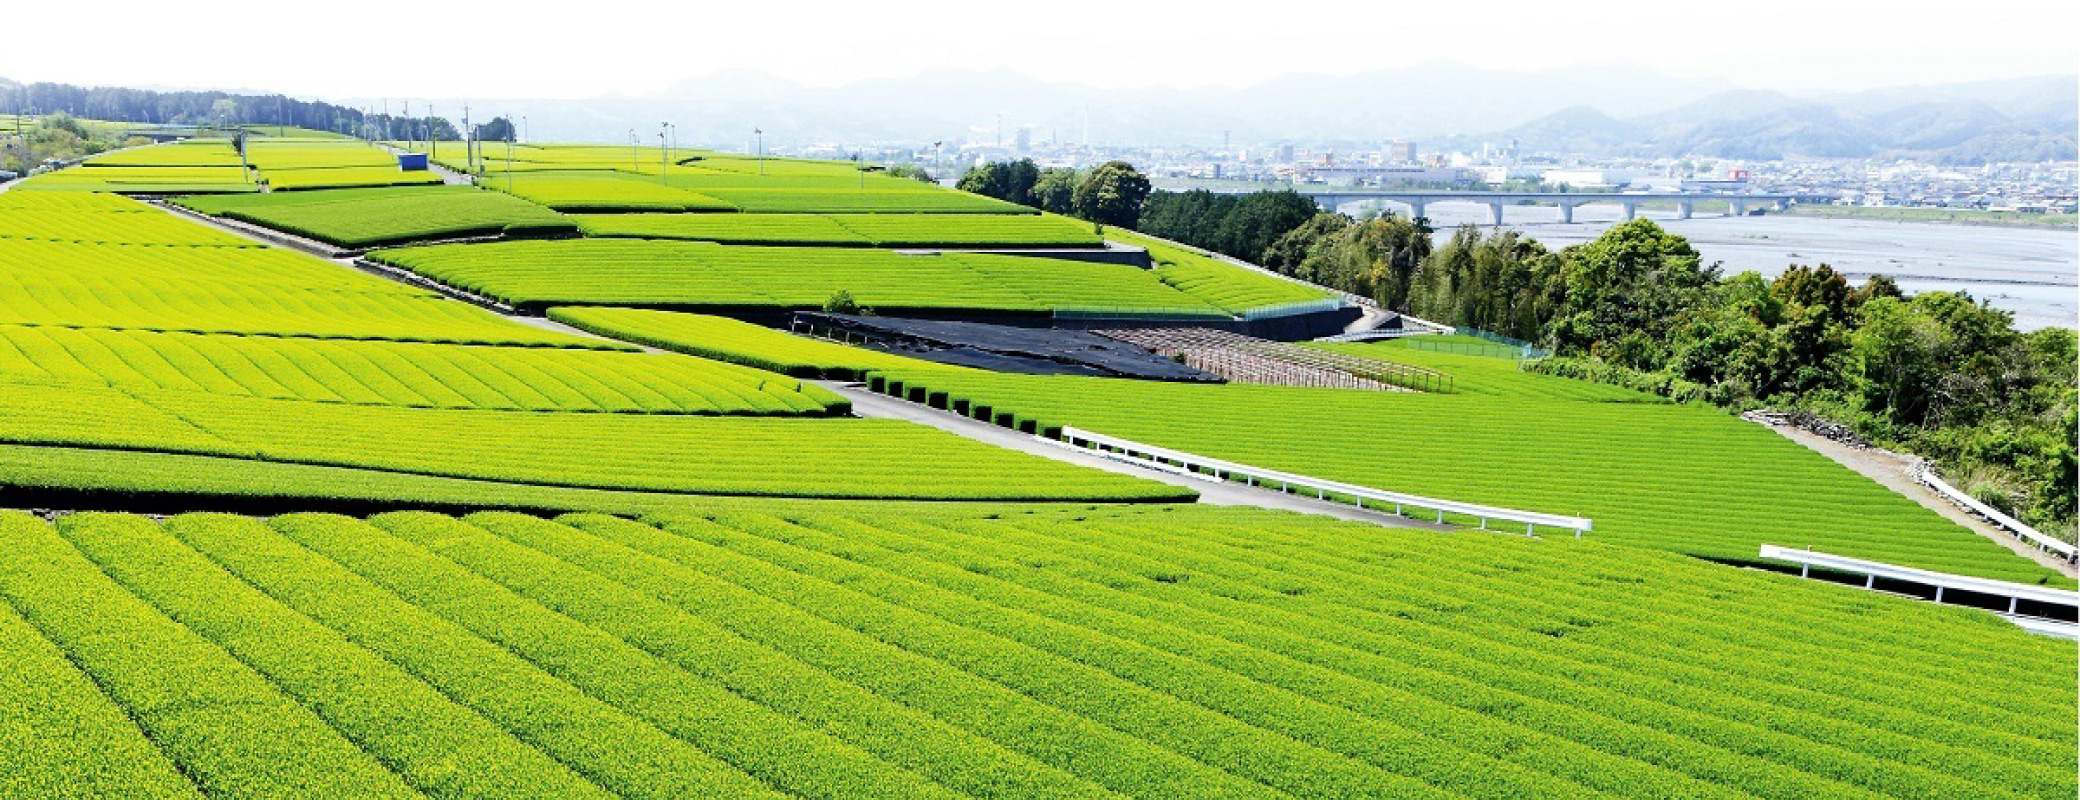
1010 181
499 129
224 110
1635 277
1055 192
911 171
1112 195
1286 254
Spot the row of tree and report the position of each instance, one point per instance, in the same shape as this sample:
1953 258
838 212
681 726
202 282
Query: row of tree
1113 193
145 106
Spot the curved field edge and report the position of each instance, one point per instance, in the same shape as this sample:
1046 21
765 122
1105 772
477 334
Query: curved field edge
77 478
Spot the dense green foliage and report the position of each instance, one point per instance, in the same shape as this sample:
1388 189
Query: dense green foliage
368 217
1377 257
849 230
708 275
734 341
1112 193
1189 651
1240 225
120 104
1648 472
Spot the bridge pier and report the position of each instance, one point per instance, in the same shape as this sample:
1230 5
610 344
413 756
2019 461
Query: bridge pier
1631 210
1496 206
1566 212
1684 208
1415 209
1736 208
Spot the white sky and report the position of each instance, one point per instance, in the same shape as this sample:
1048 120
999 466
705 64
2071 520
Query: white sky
623 47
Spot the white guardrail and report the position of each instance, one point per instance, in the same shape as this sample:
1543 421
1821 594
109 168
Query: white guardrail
1215 470
1940 581
2024 532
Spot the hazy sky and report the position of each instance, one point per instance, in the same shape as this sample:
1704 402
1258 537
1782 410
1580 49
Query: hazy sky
602 47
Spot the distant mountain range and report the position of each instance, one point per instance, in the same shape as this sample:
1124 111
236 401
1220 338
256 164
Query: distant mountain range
1424 101
1613 109
1610 109
2026 119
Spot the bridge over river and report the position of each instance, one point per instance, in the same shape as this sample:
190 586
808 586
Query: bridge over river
1685 202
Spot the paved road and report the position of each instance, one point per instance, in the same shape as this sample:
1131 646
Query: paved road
870 404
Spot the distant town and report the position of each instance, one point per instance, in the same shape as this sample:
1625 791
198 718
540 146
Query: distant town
2026 188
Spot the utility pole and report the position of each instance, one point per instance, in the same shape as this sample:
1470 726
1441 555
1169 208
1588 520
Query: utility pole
469 142
635 156
523 129
761 151
664 151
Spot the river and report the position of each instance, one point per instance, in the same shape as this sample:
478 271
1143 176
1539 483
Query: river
2032 272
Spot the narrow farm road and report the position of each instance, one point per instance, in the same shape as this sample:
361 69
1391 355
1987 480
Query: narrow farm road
1895 471
869 404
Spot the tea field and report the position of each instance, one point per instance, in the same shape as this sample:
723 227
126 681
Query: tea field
371 217
695 275
736 342
849 230
1687 479
1172 652
324 532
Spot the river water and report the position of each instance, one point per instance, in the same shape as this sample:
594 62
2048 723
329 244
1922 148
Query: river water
2033 272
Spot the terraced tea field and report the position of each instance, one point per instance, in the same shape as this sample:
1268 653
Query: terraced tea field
798 603
1483 370
849 230
405 373
370 217
852 458
210 166
1186 652
736 342
1220 283
706 275
1686 479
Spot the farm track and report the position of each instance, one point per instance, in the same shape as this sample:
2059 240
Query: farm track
869 404
1894 471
